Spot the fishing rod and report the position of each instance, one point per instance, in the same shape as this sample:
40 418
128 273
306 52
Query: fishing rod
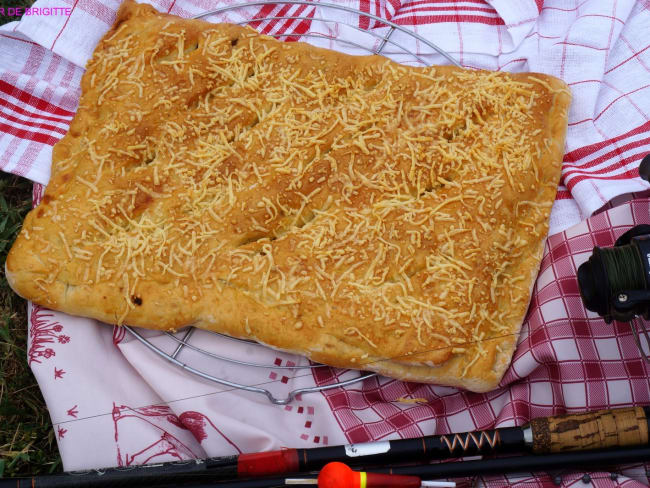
565 462
574 432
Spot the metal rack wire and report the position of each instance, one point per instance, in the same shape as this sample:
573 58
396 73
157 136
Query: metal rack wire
640 330
180 341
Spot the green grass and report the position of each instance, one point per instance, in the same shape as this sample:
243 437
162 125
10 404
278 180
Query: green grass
5 4
27 443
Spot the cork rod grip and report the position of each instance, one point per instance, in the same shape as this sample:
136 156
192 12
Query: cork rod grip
591 430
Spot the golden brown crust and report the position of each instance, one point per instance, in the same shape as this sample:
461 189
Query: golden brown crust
362 213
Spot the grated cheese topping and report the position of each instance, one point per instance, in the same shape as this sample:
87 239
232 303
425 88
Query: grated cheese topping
398 202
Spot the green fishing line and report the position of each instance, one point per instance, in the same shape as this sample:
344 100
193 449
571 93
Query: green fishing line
624 268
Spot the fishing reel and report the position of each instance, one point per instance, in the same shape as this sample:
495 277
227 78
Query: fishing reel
615 281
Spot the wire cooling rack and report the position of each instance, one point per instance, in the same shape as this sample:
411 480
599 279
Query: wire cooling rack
176 343
641 335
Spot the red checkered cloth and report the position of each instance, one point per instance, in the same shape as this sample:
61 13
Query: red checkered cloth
567 359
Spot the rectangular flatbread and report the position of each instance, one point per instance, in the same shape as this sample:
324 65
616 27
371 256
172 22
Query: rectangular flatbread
359 212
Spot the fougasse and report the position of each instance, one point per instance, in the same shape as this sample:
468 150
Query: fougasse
360 212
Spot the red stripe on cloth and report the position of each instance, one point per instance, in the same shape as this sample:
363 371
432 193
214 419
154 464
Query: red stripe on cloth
35 125
396 4
518 60
364 6
171 6
32 65
19 110
408 10
609 155
27 158
302 27
28 135
632 48
563 195
32 100
377 12
263 13
574 83
438 19
583 45
52 67
580 122
8 154
626 60
272 23
603 16
289 22
540 5
566 9
576 178
602 172
99 9
585 151
74 5
281 24
429 6
455 2
633 173
65 81
535 33
19 39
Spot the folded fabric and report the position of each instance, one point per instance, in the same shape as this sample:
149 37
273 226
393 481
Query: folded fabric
114 402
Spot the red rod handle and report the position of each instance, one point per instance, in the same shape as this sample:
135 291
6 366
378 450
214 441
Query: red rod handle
267 463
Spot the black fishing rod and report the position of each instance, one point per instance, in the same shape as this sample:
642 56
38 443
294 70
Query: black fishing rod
564 462
574 432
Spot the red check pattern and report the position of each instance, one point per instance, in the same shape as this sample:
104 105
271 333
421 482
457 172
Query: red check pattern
567 359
